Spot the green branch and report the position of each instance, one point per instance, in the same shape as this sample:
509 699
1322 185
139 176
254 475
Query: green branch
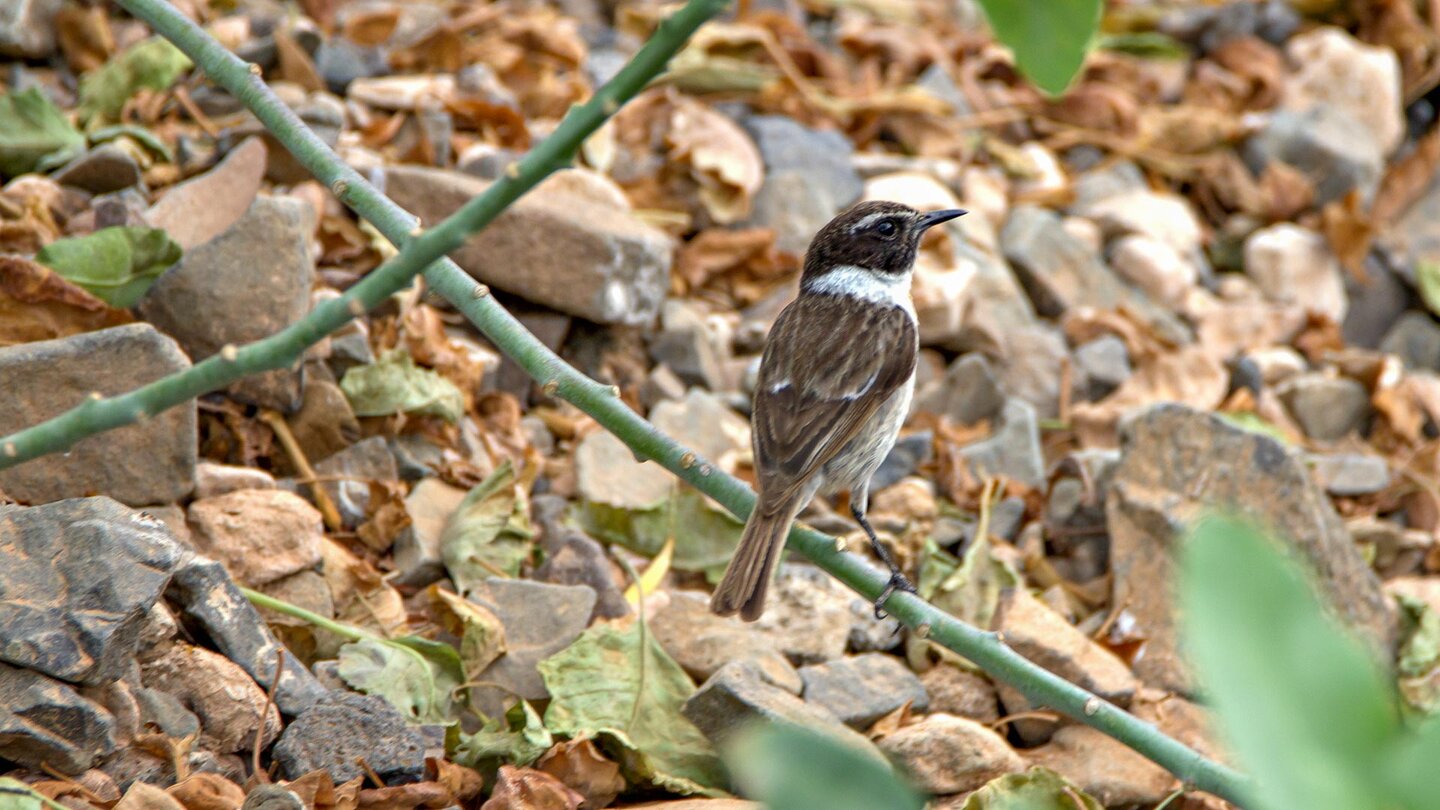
988 650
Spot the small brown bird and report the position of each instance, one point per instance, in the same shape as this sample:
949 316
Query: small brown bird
834 388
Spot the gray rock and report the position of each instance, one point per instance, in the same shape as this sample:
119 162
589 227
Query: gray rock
869 634
910 451
1415 338
689 347
245 284
44 721
736 696
208 597
960 692
1327 408
1351 474
341 62
702 642
343 727
103 169
1160 215
1334 150
1416 236
808 179
63 609
968 393
808 617
325 423
27 28
863 689
165 713
355 467
540 620
580 560
947 754
149 462
1112 180
1059 271
1155 267
1043 636
1013 448
571 244
1375 306
1176 463
1101 365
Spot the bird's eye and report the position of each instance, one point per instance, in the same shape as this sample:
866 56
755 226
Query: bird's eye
886 227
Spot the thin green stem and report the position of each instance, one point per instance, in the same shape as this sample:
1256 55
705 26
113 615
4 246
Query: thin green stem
345 631
985 649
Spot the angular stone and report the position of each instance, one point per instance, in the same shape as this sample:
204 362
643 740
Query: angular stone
540 620
1327 408
1029 366
737 696
1333 149
1293 265
968 393
909 453
1043 636
864 688
149 462
948 754
1176 464
325 423
1059 271
1104 768
104 169
79 580
1013 448
260 535
580 560
245 284
44 721
203 207
1162 216
690 347
1335 69
354 468
957 691
341 728
227 701
1351 474
207 595
1415 338
1154 266
417 550
566 244
702 643
808 616
808 179
1102 365
27 28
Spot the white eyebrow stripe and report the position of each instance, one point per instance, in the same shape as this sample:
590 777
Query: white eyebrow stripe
869 220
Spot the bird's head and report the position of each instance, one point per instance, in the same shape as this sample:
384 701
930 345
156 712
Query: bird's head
880 237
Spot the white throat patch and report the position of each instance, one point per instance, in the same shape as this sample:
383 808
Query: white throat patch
857 282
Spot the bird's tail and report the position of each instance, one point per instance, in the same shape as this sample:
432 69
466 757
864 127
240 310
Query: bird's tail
747 578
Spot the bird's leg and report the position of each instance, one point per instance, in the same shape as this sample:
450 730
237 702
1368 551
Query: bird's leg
897 582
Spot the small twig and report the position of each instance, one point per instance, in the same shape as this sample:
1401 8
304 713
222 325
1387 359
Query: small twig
327 507
1172 797
370 772
265 712
1034 714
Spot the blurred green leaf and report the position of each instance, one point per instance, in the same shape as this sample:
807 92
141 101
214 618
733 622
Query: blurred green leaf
139 135
1245 420
618 683
705 537
116 264
518 737
789 767
1301 702
968 589
416 675
1049 38
16 795
31 128
1036 789
154 64
1427 279
1418 664
1146 44
394 384
481 539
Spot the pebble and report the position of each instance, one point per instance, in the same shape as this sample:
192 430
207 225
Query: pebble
807 615
958 691
701 642
226 700
968 393
861 689
27 28
341 728
104 169
540 620
1293 265
1155 267
259 535
1326 408
213 479
948 754
1337 70
1415 339
45 721
808 179
1013 448
1351 474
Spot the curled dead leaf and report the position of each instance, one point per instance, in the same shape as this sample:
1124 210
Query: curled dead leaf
529 789
579 765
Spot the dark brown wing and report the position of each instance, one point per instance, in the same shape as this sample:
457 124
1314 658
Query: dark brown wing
840 362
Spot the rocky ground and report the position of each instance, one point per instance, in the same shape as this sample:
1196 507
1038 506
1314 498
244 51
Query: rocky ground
1206 275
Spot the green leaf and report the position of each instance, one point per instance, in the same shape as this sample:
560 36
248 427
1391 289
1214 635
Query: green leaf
140 135
970 590
1418 664
394 384
32 128
1036 789
485 537
116 264
1255 423
1049 38
618 683
16 795
154 64
705 537
789 767
416 675
1146 44
1300 700
518 737
482 636
1427 278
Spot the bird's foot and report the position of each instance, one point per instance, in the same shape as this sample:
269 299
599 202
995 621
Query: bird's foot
897 582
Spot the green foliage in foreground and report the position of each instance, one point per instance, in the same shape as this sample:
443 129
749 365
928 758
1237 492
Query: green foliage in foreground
1310 714
1049 38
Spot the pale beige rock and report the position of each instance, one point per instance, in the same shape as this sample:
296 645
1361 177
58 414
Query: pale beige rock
1334 68
259 535
213 479
1294 265
203 207
1041 635
1104 768
962 693
227 701
948 754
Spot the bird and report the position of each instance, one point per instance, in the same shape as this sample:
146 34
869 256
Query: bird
836 378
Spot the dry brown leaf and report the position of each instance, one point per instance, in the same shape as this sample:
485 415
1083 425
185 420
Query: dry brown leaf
1098 107
1318 337
388 516
1256 72
463 783
1188 129
579 765
406 797
529 789
1350 232
207 791
295 64
1407 179
38 304
371 27
722 159
143 796
1286 191
362 597
84 36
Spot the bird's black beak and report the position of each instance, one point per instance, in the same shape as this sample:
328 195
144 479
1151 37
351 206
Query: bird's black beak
936 217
